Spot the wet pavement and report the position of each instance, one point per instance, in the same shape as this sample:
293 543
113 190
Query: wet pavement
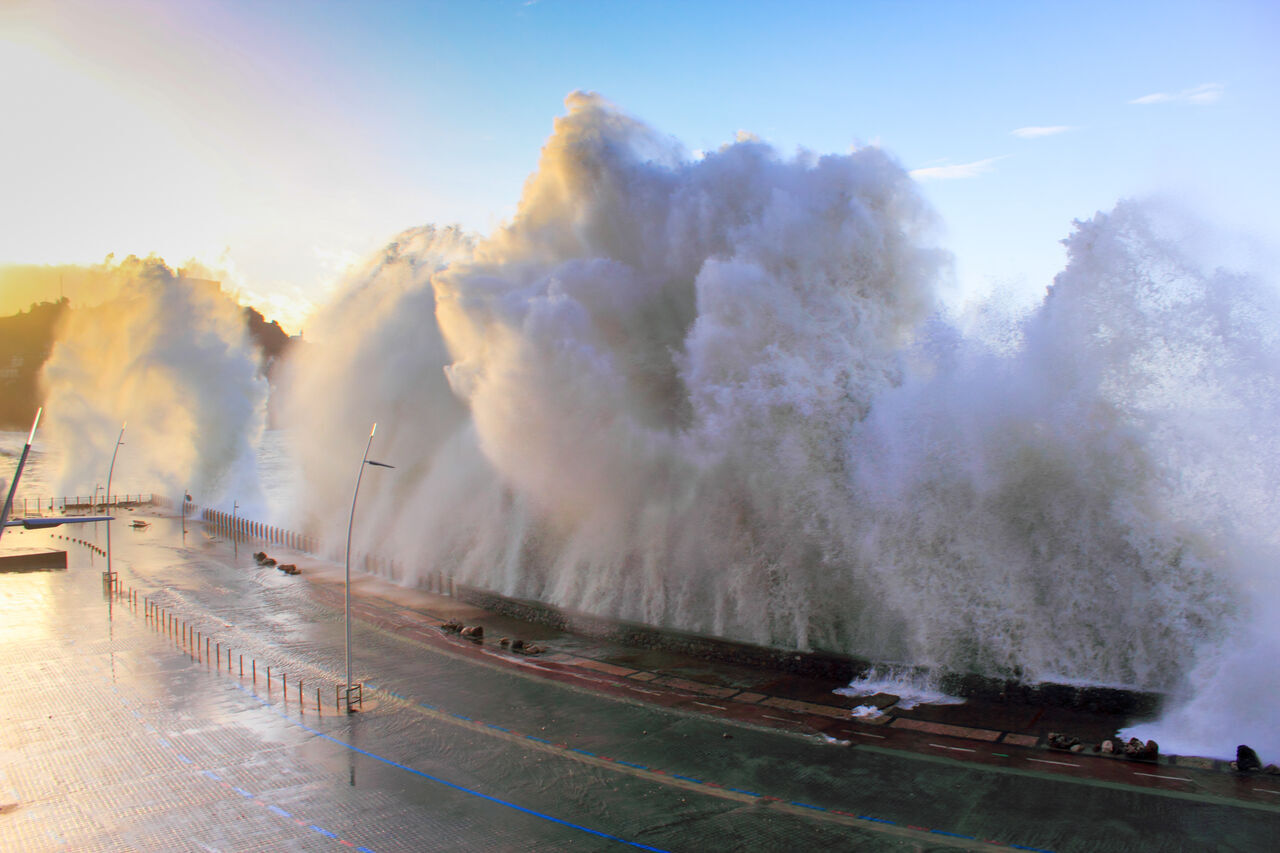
119 731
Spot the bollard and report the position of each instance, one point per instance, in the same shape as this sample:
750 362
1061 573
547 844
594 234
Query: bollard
255 672
206 649
242 666
301 707
284 683
268 679
218 651
228 658
318 710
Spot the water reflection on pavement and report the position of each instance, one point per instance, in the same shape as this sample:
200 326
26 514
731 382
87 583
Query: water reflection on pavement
119 732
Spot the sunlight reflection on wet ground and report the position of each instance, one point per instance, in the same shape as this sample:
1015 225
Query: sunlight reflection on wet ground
120 733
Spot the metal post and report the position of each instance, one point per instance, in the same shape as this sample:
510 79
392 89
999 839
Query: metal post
17 475
364 460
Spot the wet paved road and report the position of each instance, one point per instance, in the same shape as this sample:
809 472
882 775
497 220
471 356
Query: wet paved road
116 738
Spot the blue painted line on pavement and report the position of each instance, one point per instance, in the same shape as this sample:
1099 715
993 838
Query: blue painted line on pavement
462 788
241 791
532 812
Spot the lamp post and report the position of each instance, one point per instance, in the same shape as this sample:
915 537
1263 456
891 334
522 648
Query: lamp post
364 460
17 475
107 496
112 469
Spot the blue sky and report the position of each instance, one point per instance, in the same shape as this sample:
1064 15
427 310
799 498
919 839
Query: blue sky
279 141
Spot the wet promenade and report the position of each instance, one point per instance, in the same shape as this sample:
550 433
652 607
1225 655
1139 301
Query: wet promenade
127 725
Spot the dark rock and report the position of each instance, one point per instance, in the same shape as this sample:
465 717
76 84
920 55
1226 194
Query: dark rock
880 701
1272 769
453 626
504 642
290 569
1247 760
1057 740
1139 751
473 632
517 645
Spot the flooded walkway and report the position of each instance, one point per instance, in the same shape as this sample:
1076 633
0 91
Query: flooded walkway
128 724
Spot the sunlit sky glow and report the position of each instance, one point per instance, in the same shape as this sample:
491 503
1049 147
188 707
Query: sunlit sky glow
277 142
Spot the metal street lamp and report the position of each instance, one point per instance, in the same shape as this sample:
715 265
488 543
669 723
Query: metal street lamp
37 523
112 469
17 475
107 497
364 460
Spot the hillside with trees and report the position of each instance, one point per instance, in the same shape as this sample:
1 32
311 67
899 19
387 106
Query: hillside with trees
27 338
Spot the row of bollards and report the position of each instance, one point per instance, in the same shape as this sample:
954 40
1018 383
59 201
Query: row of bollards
84 542
239 526
190 640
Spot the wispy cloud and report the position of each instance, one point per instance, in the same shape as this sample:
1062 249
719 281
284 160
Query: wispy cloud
957 170
1037 132
1205 93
